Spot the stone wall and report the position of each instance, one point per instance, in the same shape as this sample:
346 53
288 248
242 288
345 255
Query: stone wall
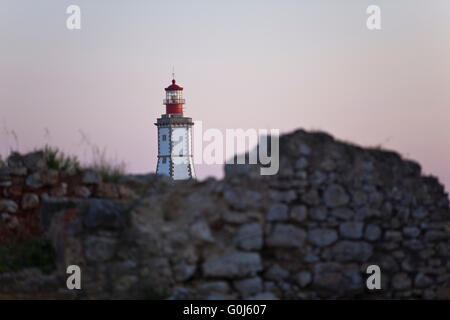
25 180
307 233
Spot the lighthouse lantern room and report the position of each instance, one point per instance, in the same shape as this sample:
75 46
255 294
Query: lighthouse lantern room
175 137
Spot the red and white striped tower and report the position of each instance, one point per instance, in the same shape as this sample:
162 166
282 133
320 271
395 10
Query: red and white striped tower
175 137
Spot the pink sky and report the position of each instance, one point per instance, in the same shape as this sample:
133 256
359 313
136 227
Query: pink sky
243 64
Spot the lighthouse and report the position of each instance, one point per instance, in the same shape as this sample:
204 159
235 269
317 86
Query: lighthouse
175 137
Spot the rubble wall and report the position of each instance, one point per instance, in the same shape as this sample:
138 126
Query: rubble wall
309 232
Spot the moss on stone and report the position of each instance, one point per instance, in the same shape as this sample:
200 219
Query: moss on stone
27 254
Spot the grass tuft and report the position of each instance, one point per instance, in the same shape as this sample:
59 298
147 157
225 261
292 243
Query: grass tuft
111 170
58 160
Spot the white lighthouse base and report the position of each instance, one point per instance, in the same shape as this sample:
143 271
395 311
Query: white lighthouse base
175 147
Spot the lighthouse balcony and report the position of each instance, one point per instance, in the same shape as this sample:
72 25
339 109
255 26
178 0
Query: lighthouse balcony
173 101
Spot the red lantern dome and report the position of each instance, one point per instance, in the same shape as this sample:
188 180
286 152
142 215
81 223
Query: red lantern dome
173 86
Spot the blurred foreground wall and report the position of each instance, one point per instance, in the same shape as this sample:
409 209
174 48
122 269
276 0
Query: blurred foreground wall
308 232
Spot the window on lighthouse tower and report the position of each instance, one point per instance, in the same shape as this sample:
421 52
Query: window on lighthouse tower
174 96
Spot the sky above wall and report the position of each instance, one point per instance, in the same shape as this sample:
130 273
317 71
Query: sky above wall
243 64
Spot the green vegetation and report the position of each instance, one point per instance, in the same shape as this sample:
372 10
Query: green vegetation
58 160
110 170
26 254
